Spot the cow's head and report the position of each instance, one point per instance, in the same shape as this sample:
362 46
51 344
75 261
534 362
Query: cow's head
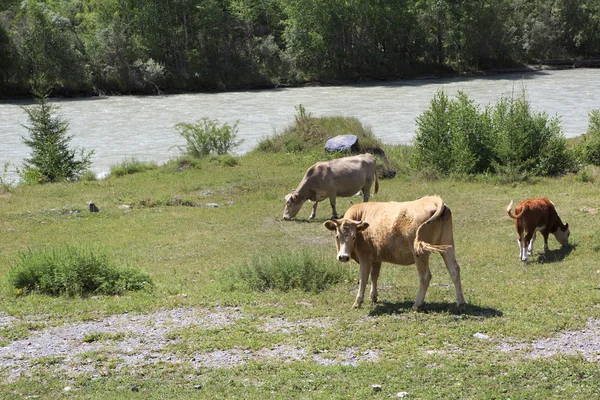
562 235
293 204
345 235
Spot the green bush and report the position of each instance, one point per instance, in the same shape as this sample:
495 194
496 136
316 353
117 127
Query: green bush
51 158
132 166
591 144
304 271
73 271
454 136
206 137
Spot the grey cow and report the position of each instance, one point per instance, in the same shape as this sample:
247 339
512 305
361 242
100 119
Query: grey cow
328 179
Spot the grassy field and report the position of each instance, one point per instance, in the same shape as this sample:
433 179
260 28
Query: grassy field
302 344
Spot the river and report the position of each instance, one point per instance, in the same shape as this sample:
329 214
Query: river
120 128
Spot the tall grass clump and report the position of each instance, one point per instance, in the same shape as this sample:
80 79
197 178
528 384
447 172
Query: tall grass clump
132 166
309 133
73 271
455 136
206 137
284 272
591 140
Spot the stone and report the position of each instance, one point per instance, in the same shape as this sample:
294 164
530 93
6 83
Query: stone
92 207
376 388
342 143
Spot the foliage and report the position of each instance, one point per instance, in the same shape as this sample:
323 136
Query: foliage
454 136
51 160
131 166
591 140
153 46
206 137
284 272
73 271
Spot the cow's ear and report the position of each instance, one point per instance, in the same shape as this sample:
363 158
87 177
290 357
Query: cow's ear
362 226
329 224
566 226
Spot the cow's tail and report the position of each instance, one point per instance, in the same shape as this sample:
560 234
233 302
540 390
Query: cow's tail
421 246
376 184
510 214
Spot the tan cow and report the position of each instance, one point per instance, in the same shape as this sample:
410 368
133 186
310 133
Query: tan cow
534 215
399 233
328 179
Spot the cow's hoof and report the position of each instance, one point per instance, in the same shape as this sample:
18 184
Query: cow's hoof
374 300
357 304
417 308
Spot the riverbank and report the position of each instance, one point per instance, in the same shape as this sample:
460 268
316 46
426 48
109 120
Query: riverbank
542 65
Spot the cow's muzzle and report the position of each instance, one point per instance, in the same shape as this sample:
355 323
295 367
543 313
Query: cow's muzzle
343 257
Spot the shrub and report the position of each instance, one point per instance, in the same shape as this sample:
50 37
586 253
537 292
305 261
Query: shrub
454 136
591 144
51 160
304 271
529 142
73 271
206 137
132 166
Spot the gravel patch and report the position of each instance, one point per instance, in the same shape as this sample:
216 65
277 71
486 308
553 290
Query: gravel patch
283 325
585 342
144 338
125 341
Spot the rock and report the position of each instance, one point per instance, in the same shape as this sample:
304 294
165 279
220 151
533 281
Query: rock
124 207
401 395
376 388
92 207
67 389
135 388
342 143
198 387
483 336
215 205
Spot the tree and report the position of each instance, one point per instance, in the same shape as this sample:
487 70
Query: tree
51 159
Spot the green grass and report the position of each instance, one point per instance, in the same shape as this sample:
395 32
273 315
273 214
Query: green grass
187 251
73 271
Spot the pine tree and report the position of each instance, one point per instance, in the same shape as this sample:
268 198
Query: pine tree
51 158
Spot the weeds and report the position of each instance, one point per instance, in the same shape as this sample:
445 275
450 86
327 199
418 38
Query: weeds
303 271
73 271
132 166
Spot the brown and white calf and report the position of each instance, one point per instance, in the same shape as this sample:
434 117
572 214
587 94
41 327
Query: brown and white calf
341 177
534 215
399 233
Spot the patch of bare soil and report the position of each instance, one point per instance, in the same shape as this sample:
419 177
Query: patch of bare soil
139 340
585 342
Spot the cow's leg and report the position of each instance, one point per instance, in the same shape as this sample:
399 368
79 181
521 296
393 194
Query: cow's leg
364 271
332 202
545 234
530 246
422 263
366 191
524 246
374 277
313 215
454 270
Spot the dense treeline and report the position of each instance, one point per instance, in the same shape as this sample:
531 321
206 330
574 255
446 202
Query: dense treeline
126 46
